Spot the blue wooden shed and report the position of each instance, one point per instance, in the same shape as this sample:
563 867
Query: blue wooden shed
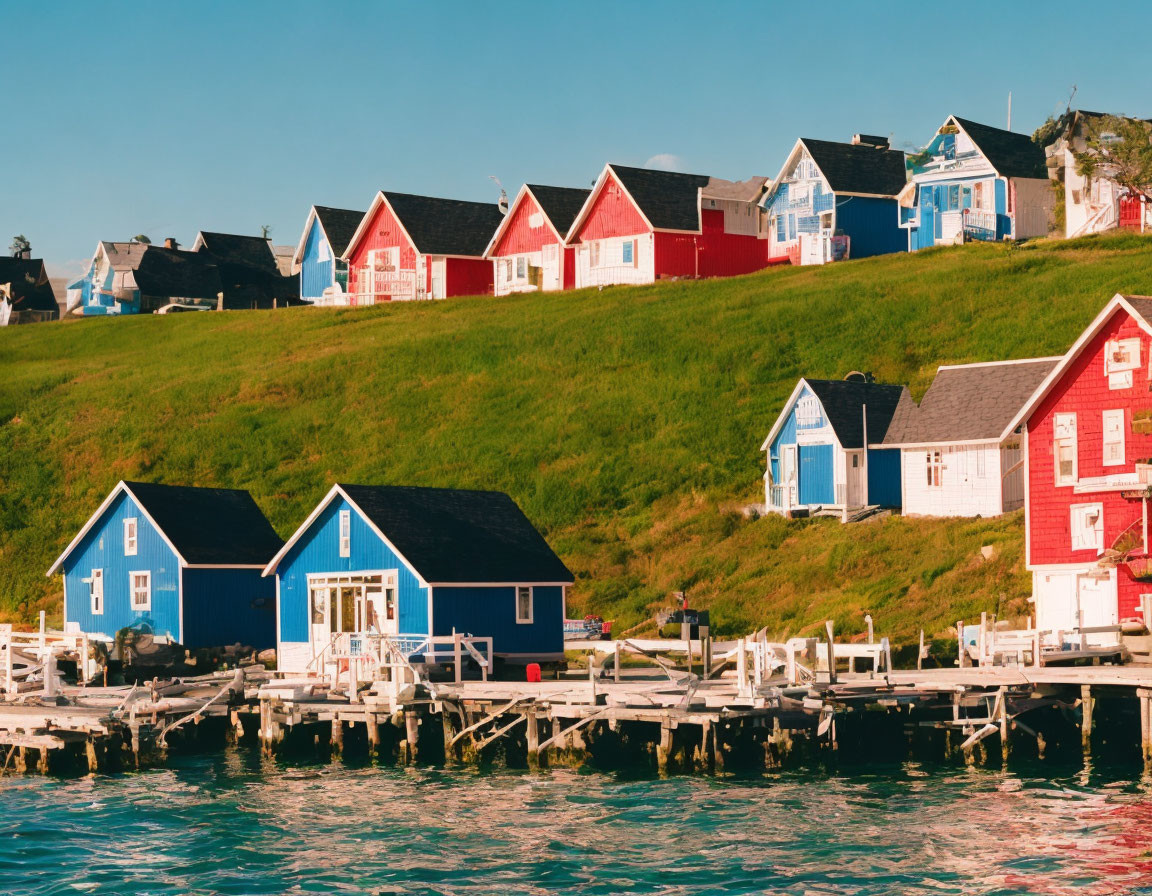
179 562
323 276
414 562
976 182
823 451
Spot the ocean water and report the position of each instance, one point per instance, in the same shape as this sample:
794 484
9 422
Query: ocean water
239 824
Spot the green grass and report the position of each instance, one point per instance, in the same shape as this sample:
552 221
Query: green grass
626 422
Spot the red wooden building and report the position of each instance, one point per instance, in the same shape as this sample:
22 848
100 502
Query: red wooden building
640 225
528 251
1088 438
420 247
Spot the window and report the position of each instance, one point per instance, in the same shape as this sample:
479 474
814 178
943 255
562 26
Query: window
523 604
345 533
627 252
141 586
935 465
521 267
808 413
1087 527
1120 355
594 254
96 592
855 461
507 268
980 462
130 537
1113 438
1064 448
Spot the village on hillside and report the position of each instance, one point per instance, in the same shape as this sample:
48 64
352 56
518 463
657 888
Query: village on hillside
395 601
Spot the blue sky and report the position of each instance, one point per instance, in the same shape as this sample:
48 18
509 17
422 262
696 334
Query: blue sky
170 118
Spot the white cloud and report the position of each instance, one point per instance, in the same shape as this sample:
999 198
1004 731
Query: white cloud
665 161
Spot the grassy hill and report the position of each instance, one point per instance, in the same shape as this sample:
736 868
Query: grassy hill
626 422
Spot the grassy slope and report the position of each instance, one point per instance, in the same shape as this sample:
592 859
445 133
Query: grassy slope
626 422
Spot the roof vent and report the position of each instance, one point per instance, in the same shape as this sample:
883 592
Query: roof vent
857 376
871 140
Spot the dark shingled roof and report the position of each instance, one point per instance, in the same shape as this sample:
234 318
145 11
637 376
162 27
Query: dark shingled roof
446 226
1011 154
31 290
176 273
850 168
968 403
560 204
844 401
452 535
339 226
233 248
218 526
668 199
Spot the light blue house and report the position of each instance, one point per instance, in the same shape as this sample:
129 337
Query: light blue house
406 561
833 201
976 182
178 562
323 276
823 451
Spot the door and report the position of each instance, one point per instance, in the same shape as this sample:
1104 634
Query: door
551 272
1097 605
321 601
382 611
815 475
855 462
788 475
926 233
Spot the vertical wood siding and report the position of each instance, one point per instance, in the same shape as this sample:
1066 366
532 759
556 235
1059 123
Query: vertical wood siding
724 254
612 214
520 236
315 275
1083 390
872 225
816 478
103 548
223 606
468 277
382 232
491 612
318 551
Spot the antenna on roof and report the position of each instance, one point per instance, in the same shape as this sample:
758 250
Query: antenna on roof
1071 96
502 202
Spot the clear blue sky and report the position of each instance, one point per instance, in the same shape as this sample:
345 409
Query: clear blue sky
170 118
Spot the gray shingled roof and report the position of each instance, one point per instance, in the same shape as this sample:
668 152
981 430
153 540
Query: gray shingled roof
560 204
669 200
968 403
854 168
339 226
844 402
1011 154
446 226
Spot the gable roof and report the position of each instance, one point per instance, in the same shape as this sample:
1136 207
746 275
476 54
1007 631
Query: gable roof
858 168
28 281
967 402
177 273
436 226
451 536
1140 307
237 249
669 200
203 526
844 403
1011 154
124 256
559 205
339 226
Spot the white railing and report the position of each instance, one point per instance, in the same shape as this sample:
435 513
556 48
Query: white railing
990 646
979 219
368 657
373 286
44 646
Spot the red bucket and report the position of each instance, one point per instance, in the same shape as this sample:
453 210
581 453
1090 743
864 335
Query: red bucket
533 670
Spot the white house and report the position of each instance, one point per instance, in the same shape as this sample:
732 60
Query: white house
957 457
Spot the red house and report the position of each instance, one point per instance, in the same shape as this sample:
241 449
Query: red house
419 247
528 251
640 225
1088 438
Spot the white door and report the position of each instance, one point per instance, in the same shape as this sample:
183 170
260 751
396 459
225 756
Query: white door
1056 601
551 273
320 610
788 474
1097 605
381 607
855 463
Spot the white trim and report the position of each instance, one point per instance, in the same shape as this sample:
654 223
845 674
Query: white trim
531 605
1116 303
132 573
298 255
179 603
497 584
431 628
779 424
999 363
223 565
380 199
99 512
506 221
344 533
65 583
1027 499
964 443
279 639
135 522
103 592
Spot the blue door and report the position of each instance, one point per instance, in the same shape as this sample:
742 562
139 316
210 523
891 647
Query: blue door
926 232
816 475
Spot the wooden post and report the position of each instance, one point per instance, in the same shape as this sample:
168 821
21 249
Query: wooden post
533 734
831 653
456 657
90 754
920 654
1005 725
1144 695
742 689
962 656
664 750
982 640
337 739
616 661
373 725
412 732
868 622
1087 706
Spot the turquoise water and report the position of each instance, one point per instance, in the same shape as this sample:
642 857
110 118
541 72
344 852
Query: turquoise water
237 824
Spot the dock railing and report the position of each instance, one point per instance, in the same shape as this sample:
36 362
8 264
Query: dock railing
43 646
364 657
988 645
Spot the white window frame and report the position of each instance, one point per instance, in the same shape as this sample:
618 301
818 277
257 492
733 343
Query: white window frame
147 603
594 254
521 267
628 252
1085 537
345 533
520 620
934 464
1064 435
96 592
1113 425
808 414
1121 355
131 536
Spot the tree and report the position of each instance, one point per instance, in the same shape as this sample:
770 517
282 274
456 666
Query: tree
141 238
20 245
266 231
1119 150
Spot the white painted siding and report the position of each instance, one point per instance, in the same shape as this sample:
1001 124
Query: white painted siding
293 656
1033 206
611 267
506 270
970 483
1013 482
1073 598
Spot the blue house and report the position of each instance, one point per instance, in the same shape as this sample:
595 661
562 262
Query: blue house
409 561
976 182
824 450
836 200
178 562
323 276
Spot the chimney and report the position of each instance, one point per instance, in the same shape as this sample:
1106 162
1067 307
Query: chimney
170 243
871 140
